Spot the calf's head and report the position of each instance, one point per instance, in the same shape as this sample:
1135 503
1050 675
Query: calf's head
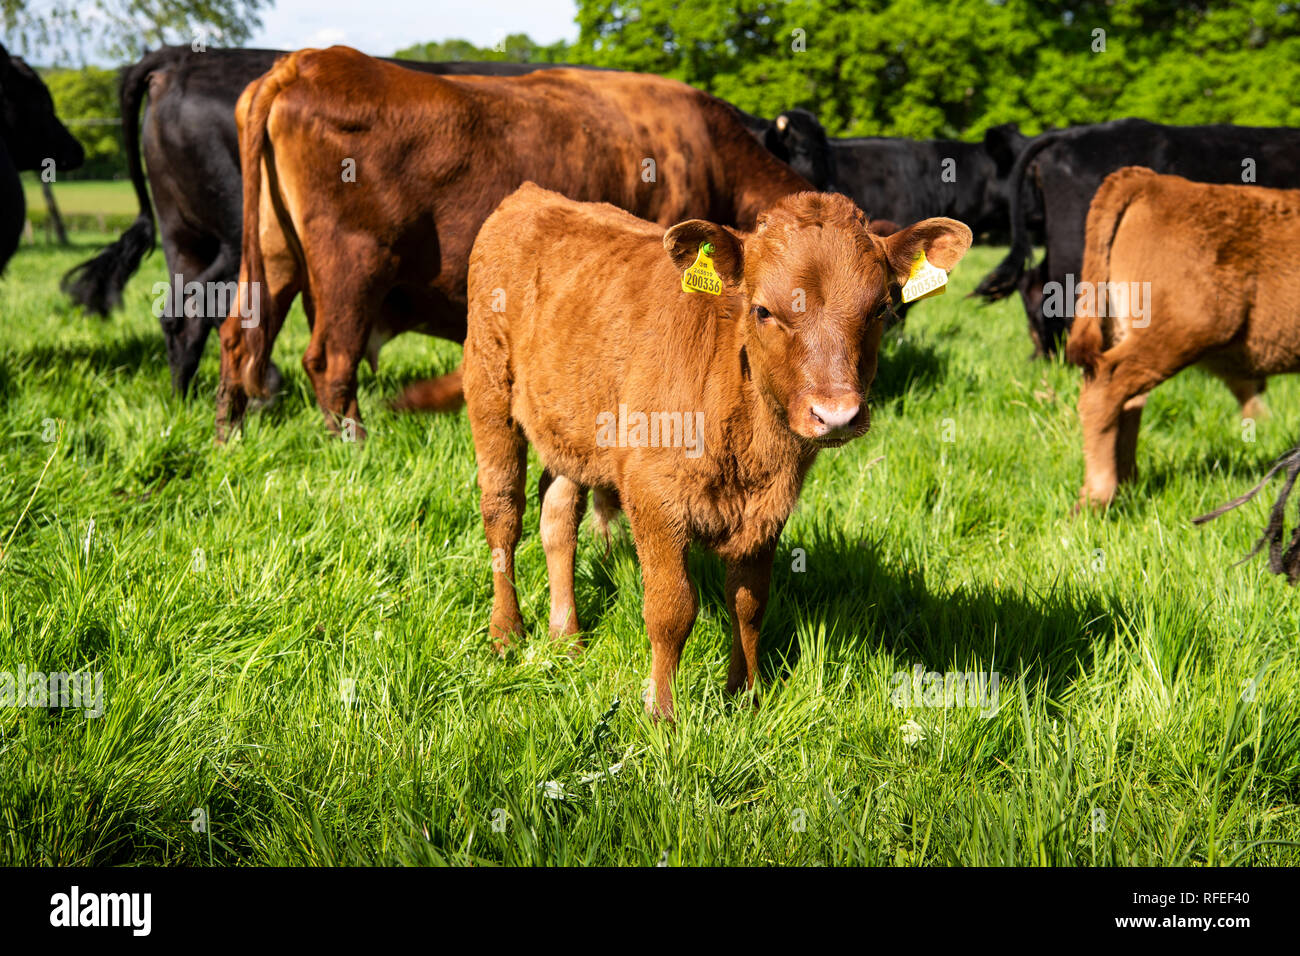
810 287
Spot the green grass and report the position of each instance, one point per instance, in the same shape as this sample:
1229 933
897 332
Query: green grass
228 595
92 196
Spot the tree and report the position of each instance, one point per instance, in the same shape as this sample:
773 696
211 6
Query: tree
925 68
123 29
517 48
86 101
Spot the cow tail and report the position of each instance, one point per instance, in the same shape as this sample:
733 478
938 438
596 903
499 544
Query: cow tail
1109 205
97 283
259 335
1005 277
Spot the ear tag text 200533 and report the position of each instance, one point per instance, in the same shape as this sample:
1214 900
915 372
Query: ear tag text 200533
701 276
925 280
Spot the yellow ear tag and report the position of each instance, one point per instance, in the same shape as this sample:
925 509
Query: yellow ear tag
701 276
924 281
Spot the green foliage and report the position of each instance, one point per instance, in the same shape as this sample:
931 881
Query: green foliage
124 28
229 596
953 68
86 101
516 48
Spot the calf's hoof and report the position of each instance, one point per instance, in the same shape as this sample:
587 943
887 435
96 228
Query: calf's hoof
504 633
1092 500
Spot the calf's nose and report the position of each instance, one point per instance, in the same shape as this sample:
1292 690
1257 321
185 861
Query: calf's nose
835 413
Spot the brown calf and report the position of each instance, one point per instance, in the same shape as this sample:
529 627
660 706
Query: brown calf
1224 292
377 179
699 413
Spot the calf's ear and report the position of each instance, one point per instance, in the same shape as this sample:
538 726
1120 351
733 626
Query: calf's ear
683 243
944 242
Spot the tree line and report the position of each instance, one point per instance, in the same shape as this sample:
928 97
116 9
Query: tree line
916 68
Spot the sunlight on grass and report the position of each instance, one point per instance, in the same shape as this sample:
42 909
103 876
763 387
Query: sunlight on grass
293 630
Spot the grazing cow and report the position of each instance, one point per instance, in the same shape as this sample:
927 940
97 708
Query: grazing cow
698 412
191 147
431 157
908 180
1177 273
30 136
1063 169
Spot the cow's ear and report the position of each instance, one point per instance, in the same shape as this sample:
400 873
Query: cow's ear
683 242
944 242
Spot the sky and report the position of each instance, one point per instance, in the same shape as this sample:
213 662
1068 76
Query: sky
382 26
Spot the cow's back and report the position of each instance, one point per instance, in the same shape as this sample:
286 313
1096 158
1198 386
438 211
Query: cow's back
434 155
1220 260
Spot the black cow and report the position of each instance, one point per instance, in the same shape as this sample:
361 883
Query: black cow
908 180
1064 168
192 152
30 134
797 139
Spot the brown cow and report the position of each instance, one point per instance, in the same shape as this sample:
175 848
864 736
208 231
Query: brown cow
378 178
700 413
1177 273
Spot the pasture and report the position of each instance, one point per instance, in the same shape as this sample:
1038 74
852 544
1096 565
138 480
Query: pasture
292 630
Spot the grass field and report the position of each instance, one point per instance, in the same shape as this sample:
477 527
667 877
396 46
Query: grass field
296 670
110 197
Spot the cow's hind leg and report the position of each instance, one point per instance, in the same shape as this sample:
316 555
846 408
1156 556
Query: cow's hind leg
343 310
1126 439
563 503
502 453
283 284
1110 412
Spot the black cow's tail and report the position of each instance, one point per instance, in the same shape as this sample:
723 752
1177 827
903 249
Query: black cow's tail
1005 277
97 283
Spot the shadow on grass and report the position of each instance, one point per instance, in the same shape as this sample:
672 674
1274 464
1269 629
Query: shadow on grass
128 349
860 603
903 365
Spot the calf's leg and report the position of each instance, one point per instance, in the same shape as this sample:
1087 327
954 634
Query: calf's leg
502 453
670 602
1110 412
748 582
1126 439
563 503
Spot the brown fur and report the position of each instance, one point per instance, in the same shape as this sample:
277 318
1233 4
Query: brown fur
575 310
434 155
1225 293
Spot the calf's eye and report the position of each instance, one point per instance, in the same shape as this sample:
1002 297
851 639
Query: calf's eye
761 313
